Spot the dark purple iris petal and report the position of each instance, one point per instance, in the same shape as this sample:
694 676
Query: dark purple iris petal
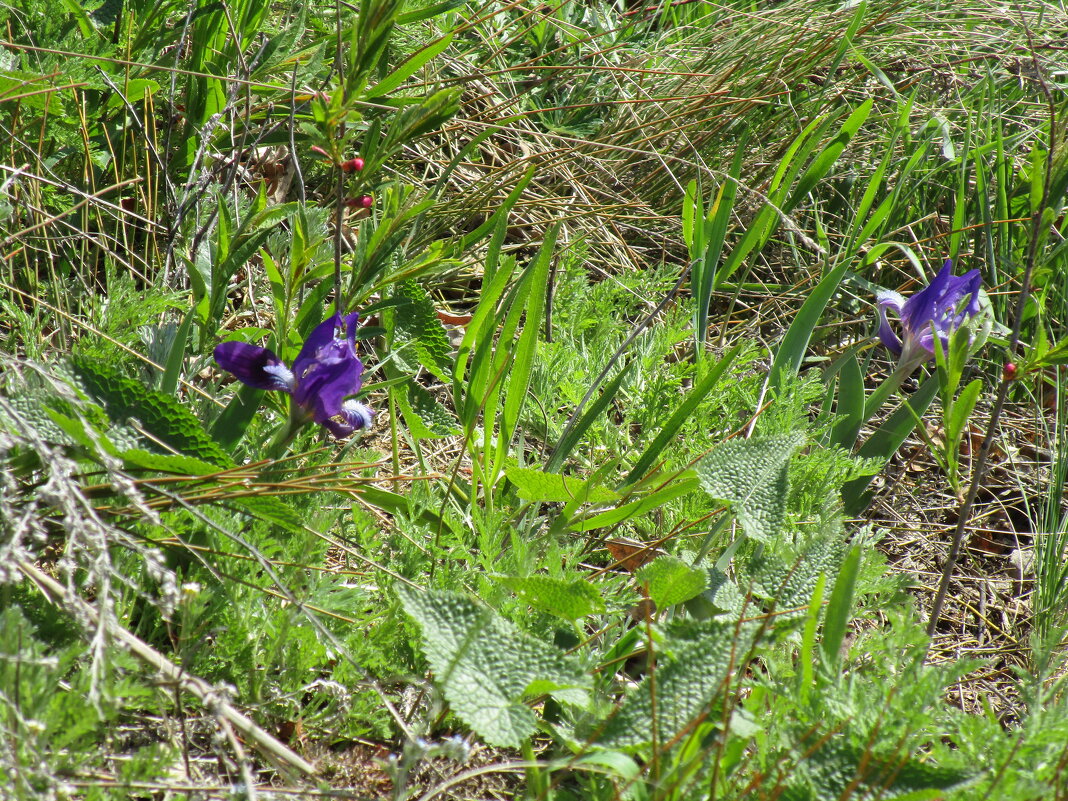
936 310
325 373
258 367
886 332
330 333
327 383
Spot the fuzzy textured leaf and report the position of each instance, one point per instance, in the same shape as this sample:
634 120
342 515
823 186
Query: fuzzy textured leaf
685 687
160 415
567 599
416 322
484 665
426 418
751 475
537 485
839 766
671 581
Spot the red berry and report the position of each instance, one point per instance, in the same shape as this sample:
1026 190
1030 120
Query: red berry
352 165
361 202
1009 371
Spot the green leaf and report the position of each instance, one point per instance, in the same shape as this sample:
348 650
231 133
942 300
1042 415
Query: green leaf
420 14
839 607
405 70
573 434
161 416
425 417
232 423
790 585
751 476
829 155
414 322
675 489
523 356
166 463
680 415
539 486
484 665
840 769
176 357
685 687
795 343
886 440
670 581
849 411
567 599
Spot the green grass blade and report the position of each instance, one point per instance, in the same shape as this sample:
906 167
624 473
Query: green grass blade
795 343
839 607
573 435
849 410
523 359
172 369
681 415
886 440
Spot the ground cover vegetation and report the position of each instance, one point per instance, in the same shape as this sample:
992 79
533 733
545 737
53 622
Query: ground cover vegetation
558 400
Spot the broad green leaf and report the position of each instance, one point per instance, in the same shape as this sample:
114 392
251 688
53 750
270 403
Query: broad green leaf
232 423
790 585
671 581
751 476
567 599
416 324
425 417
485 666
539 486
839 769
686 687
161 416
167 463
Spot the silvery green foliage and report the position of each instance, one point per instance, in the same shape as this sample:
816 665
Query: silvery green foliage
54 444
751 476
693 666
51 437
486 667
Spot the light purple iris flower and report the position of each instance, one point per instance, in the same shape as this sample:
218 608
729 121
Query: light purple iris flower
324 374
938 309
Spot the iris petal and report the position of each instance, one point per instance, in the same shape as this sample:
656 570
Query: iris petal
937 310
258 367
323 336
352 417
325 373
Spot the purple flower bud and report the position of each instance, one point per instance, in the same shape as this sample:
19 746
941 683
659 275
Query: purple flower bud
938 309
324 374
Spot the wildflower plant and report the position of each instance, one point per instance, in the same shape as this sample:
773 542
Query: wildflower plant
325 374
946 304
946 321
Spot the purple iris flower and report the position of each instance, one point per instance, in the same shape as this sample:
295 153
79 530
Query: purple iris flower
938 309
324 374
